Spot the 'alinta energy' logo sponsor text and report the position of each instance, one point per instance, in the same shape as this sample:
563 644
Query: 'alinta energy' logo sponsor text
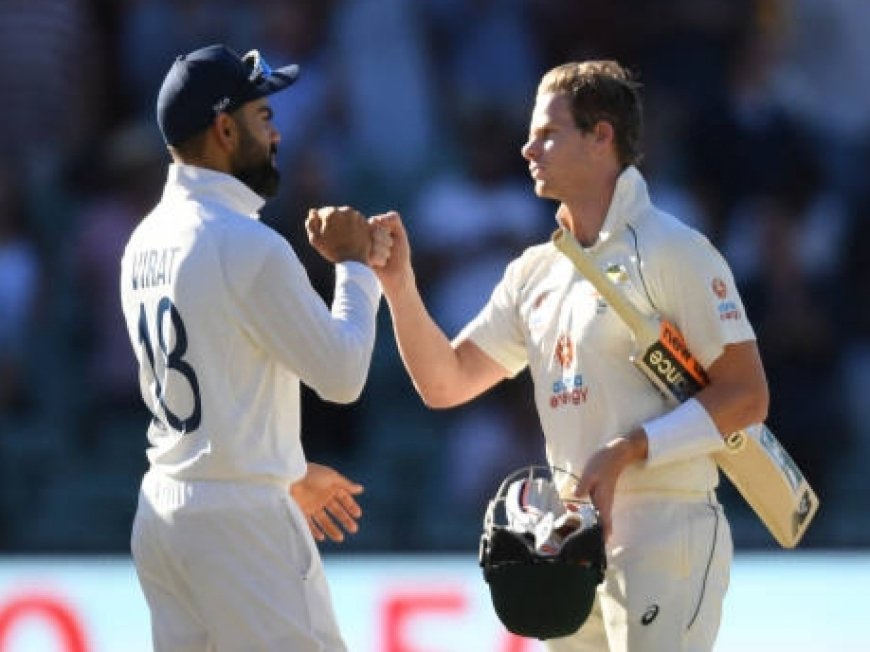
727 308
569 388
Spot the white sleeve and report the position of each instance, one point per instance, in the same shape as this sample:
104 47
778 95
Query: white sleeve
330 351
497 329
695 288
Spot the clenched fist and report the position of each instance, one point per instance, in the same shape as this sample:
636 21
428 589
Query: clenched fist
382 244
339 234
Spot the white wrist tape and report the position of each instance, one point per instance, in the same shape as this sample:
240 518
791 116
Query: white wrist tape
684 432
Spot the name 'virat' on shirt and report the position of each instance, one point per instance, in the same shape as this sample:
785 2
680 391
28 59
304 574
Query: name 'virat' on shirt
153 267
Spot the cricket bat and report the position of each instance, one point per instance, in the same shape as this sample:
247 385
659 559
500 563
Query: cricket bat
753 459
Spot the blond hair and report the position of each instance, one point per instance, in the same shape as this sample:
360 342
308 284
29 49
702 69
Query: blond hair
602 91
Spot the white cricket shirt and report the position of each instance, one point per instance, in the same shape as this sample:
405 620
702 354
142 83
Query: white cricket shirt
544 314
225 324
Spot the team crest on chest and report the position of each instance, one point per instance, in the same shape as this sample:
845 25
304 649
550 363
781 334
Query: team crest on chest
617 273
564 353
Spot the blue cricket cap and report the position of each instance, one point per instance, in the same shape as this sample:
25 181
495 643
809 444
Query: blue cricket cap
213 80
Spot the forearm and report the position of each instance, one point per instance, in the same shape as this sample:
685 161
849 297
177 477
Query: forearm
429 357
698 426
734 407
736 397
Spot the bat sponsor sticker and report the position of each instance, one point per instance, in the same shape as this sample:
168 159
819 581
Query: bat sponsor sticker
735 441
673 366
802 512
670 373
782 458
671 338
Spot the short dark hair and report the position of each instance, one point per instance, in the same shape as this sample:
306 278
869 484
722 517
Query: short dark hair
602 90
191 148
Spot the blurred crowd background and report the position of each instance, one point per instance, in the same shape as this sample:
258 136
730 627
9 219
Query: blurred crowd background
758 133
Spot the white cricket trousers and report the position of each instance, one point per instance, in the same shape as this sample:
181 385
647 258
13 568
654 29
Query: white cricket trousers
669 561
230 567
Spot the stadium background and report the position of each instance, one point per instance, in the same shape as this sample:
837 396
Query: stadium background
758 133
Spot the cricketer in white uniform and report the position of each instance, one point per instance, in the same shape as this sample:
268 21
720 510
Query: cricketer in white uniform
225 325
646 467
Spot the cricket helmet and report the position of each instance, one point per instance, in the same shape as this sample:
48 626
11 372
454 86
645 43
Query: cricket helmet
542 556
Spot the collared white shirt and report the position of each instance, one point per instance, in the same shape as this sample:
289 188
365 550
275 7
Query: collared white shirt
544 314
225 324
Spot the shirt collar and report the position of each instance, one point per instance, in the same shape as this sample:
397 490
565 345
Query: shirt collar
630 200
205 184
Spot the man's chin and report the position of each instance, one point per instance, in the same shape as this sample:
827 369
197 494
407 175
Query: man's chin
542 190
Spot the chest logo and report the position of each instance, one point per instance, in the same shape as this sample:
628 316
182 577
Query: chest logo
617 273
540 300
569 390
564 353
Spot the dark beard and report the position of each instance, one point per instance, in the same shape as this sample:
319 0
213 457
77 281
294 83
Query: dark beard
255 170
262 178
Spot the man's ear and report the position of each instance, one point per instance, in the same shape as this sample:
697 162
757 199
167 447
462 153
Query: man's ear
604 132
225 130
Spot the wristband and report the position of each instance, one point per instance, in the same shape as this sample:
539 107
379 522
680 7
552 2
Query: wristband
684 432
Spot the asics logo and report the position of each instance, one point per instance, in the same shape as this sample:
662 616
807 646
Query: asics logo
650 614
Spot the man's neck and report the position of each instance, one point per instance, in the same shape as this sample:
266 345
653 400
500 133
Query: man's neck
585 213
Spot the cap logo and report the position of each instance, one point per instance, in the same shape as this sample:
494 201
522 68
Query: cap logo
221 105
